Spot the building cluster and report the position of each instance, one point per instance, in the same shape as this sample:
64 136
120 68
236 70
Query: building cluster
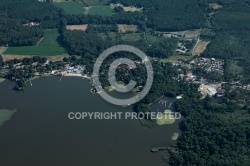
209 64
70 71
75 70
181 49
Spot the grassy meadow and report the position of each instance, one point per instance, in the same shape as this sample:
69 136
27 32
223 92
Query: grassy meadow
100 10
48 46
71 7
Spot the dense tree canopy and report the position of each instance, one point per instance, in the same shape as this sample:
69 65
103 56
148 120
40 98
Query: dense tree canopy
13 14
171 15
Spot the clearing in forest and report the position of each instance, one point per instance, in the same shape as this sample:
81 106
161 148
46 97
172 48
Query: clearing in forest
122 28
102 10
82 27
200 47
215 6
126 8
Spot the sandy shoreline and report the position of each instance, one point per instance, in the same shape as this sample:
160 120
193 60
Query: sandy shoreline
77 75
2 80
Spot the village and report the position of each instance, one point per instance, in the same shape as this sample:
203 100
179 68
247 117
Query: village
187 70
207 86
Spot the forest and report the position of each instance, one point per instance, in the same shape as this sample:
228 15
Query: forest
162 14
82 43
16 13
212 133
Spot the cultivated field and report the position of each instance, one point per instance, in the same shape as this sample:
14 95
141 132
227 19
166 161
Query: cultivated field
7 57
127 28
71 7
82 27
48 46
100 10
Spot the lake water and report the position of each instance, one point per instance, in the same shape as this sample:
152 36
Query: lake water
40 133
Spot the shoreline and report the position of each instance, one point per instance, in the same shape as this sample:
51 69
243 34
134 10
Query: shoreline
2 80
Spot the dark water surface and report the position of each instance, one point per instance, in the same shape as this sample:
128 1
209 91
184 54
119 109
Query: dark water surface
40 133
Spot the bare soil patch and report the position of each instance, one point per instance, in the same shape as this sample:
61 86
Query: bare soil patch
7 57
127 28
82 27
200 47
215 6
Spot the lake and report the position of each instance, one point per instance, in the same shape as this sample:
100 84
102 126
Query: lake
41 134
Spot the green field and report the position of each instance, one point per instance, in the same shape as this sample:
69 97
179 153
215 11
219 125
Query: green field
93 2
71 7
132 37
100 10
47 47
174 58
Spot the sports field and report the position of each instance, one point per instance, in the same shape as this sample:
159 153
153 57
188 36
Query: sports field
48 46
71 7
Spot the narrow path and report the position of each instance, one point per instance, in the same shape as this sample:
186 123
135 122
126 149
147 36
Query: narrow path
87 10
39 41
196 45
3 49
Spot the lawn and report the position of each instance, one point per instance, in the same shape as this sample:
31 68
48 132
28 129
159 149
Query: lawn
100 10
71 7
48 46
174 58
